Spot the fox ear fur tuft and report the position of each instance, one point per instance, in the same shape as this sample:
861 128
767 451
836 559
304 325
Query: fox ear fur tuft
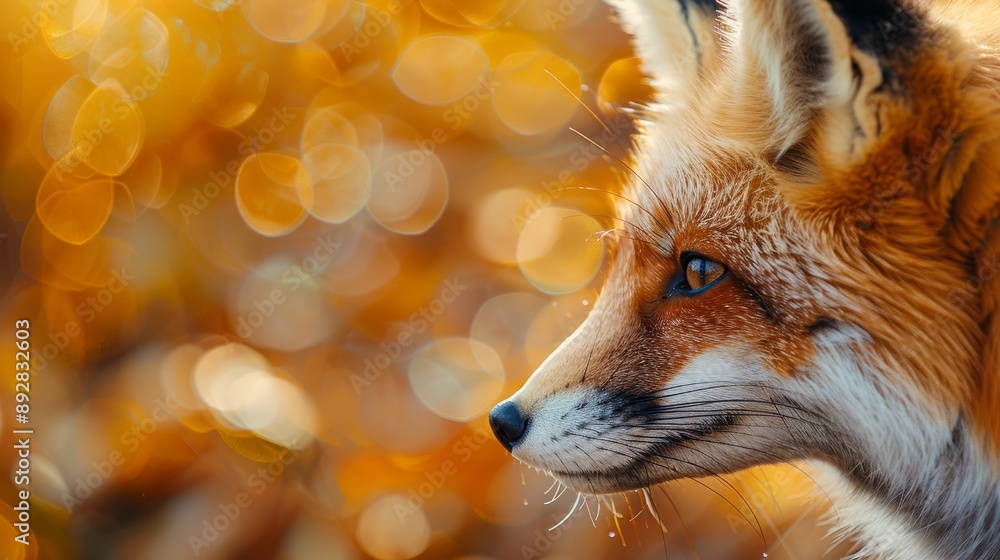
677 40
809 65
827 69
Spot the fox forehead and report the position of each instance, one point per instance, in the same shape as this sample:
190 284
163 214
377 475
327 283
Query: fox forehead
720 201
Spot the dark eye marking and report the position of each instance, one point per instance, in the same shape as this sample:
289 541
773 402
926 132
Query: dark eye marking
821 324
770 313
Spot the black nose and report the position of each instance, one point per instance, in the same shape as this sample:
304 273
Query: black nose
508 423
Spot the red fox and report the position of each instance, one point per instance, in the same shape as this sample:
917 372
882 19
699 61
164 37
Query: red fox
807 268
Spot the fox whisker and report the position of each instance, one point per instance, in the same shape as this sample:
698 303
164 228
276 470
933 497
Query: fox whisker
684 529
664 228
633 455
632 170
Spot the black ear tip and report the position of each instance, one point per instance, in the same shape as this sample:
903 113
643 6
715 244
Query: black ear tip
706 5
880 26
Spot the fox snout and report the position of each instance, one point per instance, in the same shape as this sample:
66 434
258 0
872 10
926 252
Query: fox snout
508 423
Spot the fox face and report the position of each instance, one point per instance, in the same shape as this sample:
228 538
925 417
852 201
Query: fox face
804 269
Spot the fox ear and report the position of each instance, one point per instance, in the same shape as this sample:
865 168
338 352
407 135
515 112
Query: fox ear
816 63
676 40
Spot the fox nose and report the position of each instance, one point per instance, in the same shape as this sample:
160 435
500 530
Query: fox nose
508 423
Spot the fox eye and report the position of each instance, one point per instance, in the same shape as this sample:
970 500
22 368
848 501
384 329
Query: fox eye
700 273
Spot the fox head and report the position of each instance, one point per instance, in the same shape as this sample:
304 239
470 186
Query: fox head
806 267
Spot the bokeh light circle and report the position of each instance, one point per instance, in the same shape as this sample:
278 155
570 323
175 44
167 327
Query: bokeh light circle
457 378
73 28
285 21
387 535
73 202
493 221
340 182
559 249
276 410
534 92
238 95
622 82
327 126
219 370
132 52
242 392
216 5
267 192
108 131
280 304
440 69
63 108
502 322
409 191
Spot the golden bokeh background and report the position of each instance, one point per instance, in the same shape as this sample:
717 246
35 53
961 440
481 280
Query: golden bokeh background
279 257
